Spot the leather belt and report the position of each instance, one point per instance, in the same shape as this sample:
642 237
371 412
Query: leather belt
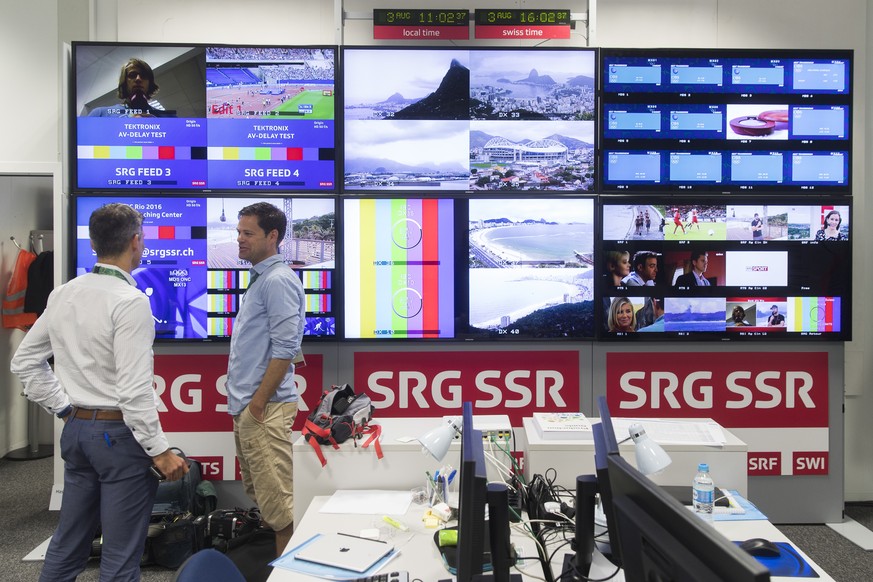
92 414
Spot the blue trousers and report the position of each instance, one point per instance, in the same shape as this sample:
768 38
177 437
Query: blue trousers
107 482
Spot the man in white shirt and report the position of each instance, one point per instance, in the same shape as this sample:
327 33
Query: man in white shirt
99 329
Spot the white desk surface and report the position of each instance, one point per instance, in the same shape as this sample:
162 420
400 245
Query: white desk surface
419 555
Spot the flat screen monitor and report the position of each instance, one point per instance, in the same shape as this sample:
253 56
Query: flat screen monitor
605 444
483 537
725 120
191 271
661 539
162 117
723 267
497 120
468 267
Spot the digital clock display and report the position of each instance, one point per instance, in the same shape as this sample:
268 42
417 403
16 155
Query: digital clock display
407 17
523 17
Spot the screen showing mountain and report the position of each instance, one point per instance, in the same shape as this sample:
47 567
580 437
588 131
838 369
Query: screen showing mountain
490 120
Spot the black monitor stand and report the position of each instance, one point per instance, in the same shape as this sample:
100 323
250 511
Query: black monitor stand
576 566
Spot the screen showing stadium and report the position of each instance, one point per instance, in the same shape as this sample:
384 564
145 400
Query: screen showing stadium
489 120
198 117
468 268
191 271
719 120
725 268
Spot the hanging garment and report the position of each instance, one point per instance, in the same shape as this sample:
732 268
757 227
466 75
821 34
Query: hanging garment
14 315
40 282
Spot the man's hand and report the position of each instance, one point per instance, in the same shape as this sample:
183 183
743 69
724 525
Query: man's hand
171 465
258 410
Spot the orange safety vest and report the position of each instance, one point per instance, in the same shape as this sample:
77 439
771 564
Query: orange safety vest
14 315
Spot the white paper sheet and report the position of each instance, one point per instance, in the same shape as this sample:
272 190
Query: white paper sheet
674 432
368 502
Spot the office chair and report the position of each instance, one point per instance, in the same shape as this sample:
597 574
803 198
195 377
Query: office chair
209 565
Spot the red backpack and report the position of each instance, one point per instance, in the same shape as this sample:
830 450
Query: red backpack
340 415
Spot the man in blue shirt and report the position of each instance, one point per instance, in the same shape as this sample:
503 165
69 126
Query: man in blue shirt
261 394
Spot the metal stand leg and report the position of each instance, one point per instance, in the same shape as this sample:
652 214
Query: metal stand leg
33 450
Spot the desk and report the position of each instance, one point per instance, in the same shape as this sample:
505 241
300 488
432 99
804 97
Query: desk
352 467
733 530
569 458
402 466
418 554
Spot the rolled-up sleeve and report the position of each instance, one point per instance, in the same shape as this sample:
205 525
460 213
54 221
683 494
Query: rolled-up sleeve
31 364
284 300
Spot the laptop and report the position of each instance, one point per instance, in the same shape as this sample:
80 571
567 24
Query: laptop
344 551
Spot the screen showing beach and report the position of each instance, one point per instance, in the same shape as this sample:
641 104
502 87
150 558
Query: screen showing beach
531 267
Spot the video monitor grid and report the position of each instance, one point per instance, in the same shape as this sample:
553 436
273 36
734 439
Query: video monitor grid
191 271
739 269
468 268
196 117
725 120
491 121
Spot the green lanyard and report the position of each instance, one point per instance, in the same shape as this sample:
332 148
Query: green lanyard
98 270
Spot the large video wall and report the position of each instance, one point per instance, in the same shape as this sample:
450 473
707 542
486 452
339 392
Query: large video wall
463 194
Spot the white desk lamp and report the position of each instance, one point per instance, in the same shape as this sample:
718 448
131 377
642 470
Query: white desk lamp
436 441
650 456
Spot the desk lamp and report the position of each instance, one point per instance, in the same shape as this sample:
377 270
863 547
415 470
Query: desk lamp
650 456
436 441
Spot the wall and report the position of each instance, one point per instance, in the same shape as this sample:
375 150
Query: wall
38 28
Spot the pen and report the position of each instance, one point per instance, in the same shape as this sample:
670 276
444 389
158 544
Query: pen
107 439
395 523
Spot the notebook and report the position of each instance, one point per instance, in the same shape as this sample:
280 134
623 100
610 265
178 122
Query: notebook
345 551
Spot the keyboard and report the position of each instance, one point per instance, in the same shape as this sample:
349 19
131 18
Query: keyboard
395 576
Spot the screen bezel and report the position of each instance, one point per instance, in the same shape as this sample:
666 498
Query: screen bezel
647 517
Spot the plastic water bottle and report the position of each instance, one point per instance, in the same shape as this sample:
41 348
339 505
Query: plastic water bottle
703 490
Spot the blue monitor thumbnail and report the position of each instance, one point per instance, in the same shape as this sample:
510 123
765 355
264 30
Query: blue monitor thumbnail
726 120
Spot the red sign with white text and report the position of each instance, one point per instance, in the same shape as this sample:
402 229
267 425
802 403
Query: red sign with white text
514 383
810 463
765 464
522 31
194 397
421 32
737 390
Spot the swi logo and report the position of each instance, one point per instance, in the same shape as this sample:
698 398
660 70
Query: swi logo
810 463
